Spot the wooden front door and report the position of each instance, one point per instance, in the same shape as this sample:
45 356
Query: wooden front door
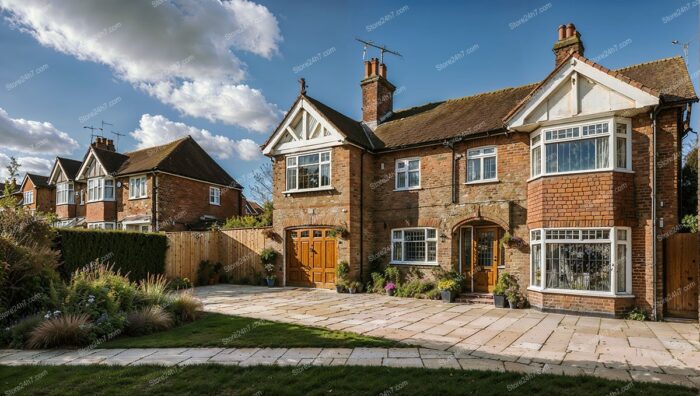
681 288
311 258
485 258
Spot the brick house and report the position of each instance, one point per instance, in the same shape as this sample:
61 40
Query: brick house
37 194
172 187
551 182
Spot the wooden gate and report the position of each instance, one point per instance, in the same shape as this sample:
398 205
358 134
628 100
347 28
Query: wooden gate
311 256
681 259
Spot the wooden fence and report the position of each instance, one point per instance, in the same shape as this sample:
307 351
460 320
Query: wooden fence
238 250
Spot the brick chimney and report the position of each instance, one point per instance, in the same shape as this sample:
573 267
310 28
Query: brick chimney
568 41
377 94
103 143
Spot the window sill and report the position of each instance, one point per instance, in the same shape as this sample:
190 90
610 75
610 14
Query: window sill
579 293
482 181
137 198
408 189
214 204
328 188
414 263
580 173
64 204
101 200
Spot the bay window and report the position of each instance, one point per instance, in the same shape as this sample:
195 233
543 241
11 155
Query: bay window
65 193
308 171
414 246
407 173
590 260
581 147
100 189
481 165
137 187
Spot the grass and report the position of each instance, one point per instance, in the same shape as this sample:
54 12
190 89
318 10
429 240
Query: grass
232 380
216 330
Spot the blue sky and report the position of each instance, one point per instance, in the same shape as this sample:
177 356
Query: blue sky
505 43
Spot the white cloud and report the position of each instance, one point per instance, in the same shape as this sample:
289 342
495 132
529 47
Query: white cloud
156 130
176 47
33 137
39 166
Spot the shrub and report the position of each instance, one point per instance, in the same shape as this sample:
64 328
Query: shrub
98 290
690 222
263 220
211 273
637 314
148 320
17 336
433 294
440 275
377 282
447 284
414 288
65 330
268 256
134 253
341 273
185 307
180 283
154 290
392 274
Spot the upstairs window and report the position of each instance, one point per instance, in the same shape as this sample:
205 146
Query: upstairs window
481 165
100 189
308 171
214 195
407 174
622 132
28 197
65 193
137 187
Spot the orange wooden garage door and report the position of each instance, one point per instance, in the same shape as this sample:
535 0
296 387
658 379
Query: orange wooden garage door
311 257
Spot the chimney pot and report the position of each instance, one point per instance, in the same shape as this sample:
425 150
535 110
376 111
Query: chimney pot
570 30
382 70
368 69
561 32
375 64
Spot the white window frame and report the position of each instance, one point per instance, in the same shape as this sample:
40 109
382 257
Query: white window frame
141 227
138 184
100 189
481 157
614 242
612 145
102 225
405 171
28 198
403 241
214 196
65 190
295 168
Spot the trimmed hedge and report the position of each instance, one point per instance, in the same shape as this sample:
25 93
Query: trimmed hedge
135 253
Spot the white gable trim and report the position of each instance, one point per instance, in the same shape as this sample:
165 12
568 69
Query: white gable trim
577 69
305 141
53 175
24 181
85 164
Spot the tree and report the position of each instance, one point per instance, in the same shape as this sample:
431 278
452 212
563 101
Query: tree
261 190
7 200
689 184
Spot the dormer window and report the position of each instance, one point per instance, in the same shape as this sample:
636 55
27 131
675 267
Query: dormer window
309 171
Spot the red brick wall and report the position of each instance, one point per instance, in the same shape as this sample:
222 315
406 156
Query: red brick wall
182 201
100 211
134 207
44 198
604 306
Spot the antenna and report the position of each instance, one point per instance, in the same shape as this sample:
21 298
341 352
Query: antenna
92 132
685 48
117 134
382 49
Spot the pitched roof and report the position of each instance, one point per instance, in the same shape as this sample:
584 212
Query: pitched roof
182 157
69 166
110 160
484 112
38 180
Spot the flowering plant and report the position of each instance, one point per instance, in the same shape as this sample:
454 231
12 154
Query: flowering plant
390 286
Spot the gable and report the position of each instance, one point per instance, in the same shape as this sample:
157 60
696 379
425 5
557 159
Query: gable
304 128
91 167
578 88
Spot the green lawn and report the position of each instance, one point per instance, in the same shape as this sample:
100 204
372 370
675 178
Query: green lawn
215 330
232 380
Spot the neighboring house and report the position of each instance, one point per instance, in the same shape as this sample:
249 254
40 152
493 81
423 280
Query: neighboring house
564 167
37 194
70 194
176 186
16 193
251 208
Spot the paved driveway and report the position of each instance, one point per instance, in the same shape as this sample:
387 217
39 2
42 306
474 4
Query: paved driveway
612 348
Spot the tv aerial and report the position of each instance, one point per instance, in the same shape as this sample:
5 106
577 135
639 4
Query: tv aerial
382 49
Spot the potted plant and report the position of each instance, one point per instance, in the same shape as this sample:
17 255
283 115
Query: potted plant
338 231
510 240
270 274
499 291
353 287
341 275
390 288
515 298
448 289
